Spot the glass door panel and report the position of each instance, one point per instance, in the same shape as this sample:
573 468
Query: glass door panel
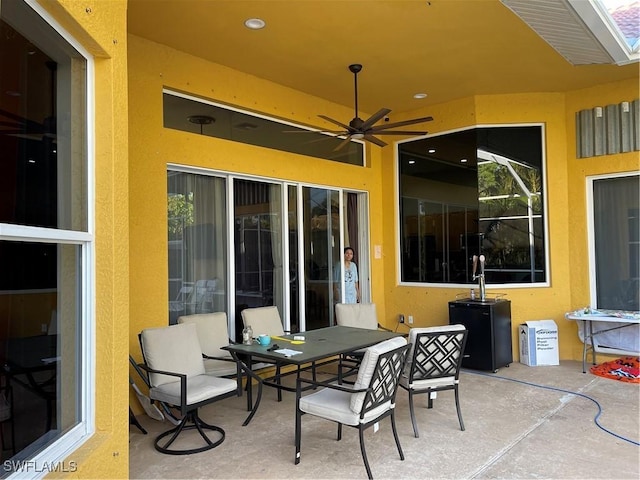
321 216
294 277
258 246
197 236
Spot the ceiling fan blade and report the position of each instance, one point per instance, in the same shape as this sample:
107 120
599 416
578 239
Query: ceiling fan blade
332 132
373 119
342 144
399 132
385 126
377 141
329 119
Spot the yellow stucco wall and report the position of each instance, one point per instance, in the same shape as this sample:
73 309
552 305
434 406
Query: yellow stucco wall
578 169
100 27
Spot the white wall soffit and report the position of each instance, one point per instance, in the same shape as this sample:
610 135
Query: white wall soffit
576 29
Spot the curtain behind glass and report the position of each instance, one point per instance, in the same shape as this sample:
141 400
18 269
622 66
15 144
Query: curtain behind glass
197 244
617 251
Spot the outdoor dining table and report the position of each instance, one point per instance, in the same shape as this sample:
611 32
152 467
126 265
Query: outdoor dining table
318 345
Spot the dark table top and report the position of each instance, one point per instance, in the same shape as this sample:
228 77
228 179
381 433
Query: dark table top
318 344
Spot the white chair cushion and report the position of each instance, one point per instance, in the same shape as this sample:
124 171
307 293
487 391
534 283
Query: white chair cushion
173 349
427 383
359 315
212 331
413 334
263 320
199 388
367 367
336 405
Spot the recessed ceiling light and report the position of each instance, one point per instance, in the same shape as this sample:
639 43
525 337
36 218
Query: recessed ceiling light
463 160
431 150
254 23
411 162
420 95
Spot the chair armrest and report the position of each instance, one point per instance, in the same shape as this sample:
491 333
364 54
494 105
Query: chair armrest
183 384
224 359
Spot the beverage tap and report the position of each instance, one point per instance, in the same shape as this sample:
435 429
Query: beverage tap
479 276
481 279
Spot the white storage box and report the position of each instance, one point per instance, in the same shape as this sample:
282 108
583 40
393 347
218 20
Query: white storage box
539 343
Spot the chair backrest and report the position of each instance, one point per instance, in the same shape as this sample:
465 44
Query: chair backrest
436 352
213 332
360 315
263 320
175 348
380 368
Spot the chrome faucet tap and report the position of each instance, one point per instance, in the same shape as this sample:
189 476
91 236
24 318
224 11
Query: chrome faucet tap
480 276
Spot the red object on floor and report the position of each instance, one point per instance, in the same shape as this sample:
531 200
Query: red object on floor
626 369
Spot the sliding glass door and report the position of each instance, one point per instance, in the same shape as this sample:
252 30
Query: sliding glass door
237 243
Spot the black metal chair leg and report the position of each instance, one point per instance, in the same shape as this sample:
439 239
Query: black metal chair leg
198 425
296 460
413 415
364 453
458 408
395 434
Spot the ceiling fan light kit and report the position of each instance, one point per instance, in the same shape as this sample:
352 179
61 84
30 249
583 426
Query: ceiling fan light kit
367 129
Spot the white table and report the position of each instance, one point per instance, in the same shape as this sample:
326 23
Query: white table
606 321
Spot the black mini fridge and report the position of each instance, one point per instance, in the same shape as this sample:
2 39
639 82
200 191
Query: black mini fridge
489 332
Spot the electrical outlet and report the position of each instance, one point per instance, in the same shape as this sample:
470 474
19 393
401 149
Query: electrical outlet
376 427
410 318
400 318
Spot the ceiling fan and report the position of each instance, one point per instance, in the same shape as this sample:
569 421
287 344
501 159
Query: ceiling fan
366 129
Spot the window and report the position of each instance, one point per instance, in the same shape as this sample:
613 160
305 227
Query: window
614 241
45 240
194 115
473 192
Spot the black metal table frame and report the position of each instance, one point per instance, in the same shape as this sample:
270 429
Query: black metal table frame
319 346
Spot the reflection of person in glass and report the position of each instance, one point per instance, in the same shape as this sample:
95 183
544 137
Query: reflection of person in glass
351 284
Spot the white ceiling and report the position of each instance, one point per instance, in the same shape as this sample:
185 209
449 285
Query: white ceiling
448 49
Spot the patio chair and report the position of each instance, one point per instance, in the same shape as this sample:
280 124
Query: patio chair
434 364
213 333
358 315
368 401
265 320
175 367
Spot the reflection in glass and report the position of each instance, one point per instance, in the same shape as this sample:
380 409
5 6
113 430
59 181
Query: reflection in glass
321 215
616 218
258 245
197 226
42 165
473 192
39 324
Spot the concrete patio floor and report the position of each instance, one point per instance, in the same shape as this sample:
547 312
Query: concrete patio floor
514 430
